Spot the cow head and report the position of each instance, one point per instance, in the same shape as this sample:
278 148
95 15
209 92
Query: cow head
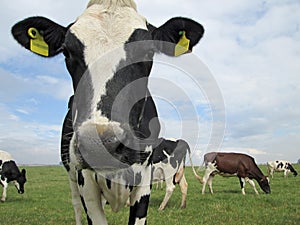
109 53
20 182
264 183
291 168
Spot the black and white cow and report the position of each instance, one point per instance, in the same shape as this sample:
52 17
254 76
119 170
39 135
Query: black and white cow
111 127
169 165
9 172
234 164
280 166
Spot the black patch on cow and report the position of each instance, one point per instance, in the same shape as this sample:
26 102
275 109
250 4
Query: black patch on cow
280 165
73 51
175 150
139 210
96 178
0 162
165 145
174 179
10 171
67 133
128 176
138 179
90 222
132 68
80 178
174 163
108 183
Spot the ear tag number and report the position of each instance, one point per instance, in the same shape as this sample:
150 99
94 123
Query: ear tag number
37 43
183 45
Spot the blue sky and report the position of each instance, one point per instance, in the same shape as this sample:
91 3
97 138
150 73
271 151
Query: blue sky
251 49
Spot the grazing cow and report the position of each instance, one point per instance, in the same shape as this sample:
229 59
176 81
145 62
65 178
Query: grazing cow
9 172
279 166
169 164
111 127
234 164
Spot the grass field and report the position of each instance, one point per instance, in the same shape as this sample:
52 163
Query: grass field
47 200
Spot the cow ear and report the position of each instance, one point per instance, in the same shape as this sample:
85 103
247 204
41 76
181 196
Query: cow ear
40 35
178 36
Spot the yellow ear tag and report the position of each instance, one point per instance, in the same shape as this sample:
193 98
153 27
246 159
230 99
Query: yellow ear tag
183 45
37 43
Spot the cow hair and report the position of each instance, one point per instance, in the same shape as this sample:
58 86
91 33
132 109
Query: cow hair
113 3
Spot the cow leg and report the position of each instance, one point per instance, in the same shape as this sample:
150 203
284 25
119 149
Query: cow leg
67 134
242 183
139 200
91 197
204 185
157 185
183 188
285 173
169 191
252 183
208 171
210 183
76 200
5 185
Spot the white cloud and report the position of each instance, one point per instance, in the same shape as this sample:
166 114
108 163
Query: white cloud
29 142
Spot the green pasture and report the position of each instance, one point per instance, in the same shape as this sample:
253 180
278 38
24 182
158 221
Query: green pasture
47 200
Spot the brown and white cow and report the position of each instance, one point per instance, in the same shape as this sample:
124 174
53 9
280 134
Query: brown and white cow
111 127
234 164
280 166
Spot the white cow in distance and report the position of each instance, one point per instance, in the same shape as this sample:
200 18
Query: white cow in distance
280 166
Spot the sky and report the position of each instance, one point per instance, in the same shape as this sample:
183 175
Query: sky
237 92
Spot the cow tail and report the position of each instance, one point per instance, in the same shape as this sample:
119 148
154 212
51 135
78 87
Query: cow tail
199 178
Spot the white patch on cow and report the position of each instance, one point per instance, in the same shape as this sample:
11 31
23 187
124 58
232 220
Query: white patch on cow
17 185
101 124
103 32
117 194
171 139
112 3
140 221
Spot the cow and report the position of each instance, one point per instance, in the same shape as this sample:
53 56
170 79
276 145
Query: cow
9 172
169 165
111 126
280 166
234 164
